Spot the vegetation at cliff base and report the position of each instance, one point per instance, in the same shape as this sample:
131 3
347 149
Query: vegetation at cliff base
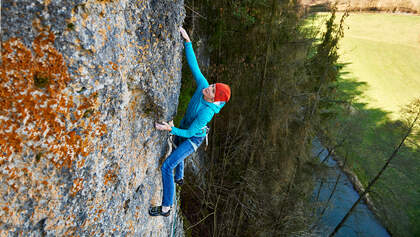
379 76
259 172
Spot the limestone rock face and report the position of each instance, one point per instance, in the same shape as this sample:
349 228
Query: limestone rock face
82 83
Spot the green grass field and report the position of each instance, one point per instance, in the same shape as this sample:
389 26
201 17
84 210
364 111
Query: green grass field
384 51
382 73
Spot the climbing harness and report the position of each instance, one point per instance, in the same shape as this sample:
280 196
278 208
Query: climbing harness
172 145
206 130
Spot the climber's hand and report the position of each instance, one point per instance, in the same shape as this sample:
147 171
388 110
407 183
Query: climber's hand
171 123
163 126
184 34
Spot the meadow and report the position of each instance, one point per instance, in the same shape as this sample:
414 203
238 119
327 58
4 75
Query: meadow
380 60
383 51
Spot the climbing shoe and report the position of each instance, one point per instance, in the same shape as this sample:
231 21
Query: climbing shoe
179 182
157 211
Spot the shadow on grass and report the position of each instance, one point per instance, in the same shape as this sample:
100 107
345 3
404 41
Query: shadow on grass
371 137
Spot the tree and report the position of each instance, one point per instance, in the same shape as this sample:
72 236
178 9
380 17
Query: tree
257 178
412 115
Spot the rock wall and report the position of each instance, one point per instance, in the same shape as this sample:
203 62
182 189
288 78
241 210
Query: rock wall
82 83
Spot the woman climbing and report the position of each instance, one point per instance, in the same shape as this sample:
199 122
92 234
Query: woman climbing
206 101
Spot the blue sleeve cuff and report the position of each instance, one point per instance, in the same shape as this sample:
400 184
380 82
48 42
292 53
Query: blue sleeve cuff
180 132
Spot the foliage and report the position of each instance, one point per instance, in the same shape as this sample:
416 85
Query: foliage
371 132
406 6
258 177
187 91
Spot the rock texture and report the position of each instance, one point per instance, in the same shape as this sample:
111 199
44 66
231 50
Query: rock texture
82 83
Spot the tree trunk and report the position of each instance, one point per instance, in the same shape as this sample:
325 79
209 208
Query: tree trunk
253 152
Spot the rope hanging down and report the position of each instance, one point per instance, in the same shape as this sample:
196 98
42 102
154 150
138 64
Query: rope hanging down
171 145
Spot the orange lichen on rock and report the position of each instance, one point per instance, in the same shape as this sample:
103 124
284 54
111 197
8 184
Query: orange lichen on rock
35 108
114 65
110 176
77 186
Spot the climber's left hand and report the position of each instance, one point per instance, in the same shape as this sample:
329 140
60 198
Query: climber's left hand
164 126
184 34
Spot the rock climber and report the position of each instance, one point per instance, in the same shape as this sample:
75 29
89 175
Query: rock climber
206 101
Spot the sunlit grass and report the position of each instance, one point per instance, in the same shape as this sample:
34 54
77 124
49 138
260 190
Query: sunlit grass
384 51
381 58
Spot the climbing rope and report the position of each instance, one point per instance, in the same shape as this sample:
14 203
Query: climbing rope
175 215
171 146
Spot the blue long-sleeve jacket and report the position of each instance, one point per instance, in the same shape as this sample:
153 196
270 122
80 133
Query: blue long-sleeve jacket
199 111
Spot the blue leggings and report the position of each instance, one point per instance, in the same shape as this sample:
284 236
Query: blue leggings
176 161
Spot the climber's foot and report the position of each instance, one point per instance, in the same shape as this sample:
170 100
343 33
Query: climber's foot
157 211
180 182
